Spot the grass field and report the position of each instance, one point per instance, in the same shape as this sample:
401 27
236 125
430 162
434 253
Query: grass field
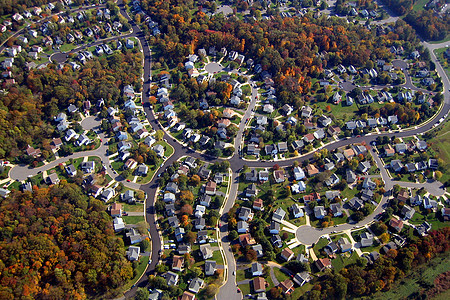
441 144
419 5
133 219
443 60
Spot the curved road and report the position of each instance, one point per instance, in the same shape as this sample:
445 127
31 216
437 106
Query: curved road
228 291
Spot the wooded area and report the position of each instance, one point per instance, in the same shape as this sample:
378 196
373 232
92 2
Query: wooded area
57 243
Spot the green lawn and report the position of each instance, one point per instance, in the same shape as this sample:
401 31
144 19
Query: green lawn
319 245
343 260
419 5
280 275
133 219
132 207
245 289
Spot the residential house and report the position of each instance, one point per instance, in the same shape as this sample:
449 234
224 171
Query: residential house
287 254
278 175
356 203
177 263
210 267
396 224
287 286
259 285
302 278
279 214
319 212
297 212
256 269
171 278
274 227
133 253
336 209
196 284
323 263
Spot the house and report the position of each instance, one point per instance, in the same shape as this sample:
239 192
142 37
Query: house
278 175
205 200
133 253
173 222
128 196
400 148
421 145
333 180
118 224
324 120
319 212
423 228
171 278
256 269
302 278
282 147
298 145
297 212
323 263
177 263
331 195
263 175
246 240
407 212
403 195
356 203
334 130
107 194
388 150
344 245
141 170
396 165
184 248
299 174
312 170
331 248
276 241
199 223
396 224
369 184
274 227
71 171
170 210
287 286
366 195
251 176
196 284
244 213
210 188
259 250
169 197
287 109
204 172
336 209
287 254
210 267
199 211
259 284
308 138
159 149
364 166
250 191
88 166
242 227
52 179
33 152
279 214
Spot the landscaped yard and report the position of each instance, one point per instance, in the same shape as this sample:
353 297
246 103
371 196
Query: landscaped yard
133 219
343 260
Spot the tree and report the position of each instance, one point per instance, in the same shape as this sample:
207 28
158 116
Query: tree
385 237
232 235
190 237
438 175
195 180
159 135
187 210
141 293
211 290
251 255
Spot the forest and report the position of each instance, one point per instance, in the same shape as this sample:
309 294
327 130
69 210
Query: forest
294 50
28 108
57 243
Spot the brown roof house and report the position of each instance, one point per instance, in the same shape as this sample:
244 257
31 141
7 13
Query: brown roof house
259 284
396 224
